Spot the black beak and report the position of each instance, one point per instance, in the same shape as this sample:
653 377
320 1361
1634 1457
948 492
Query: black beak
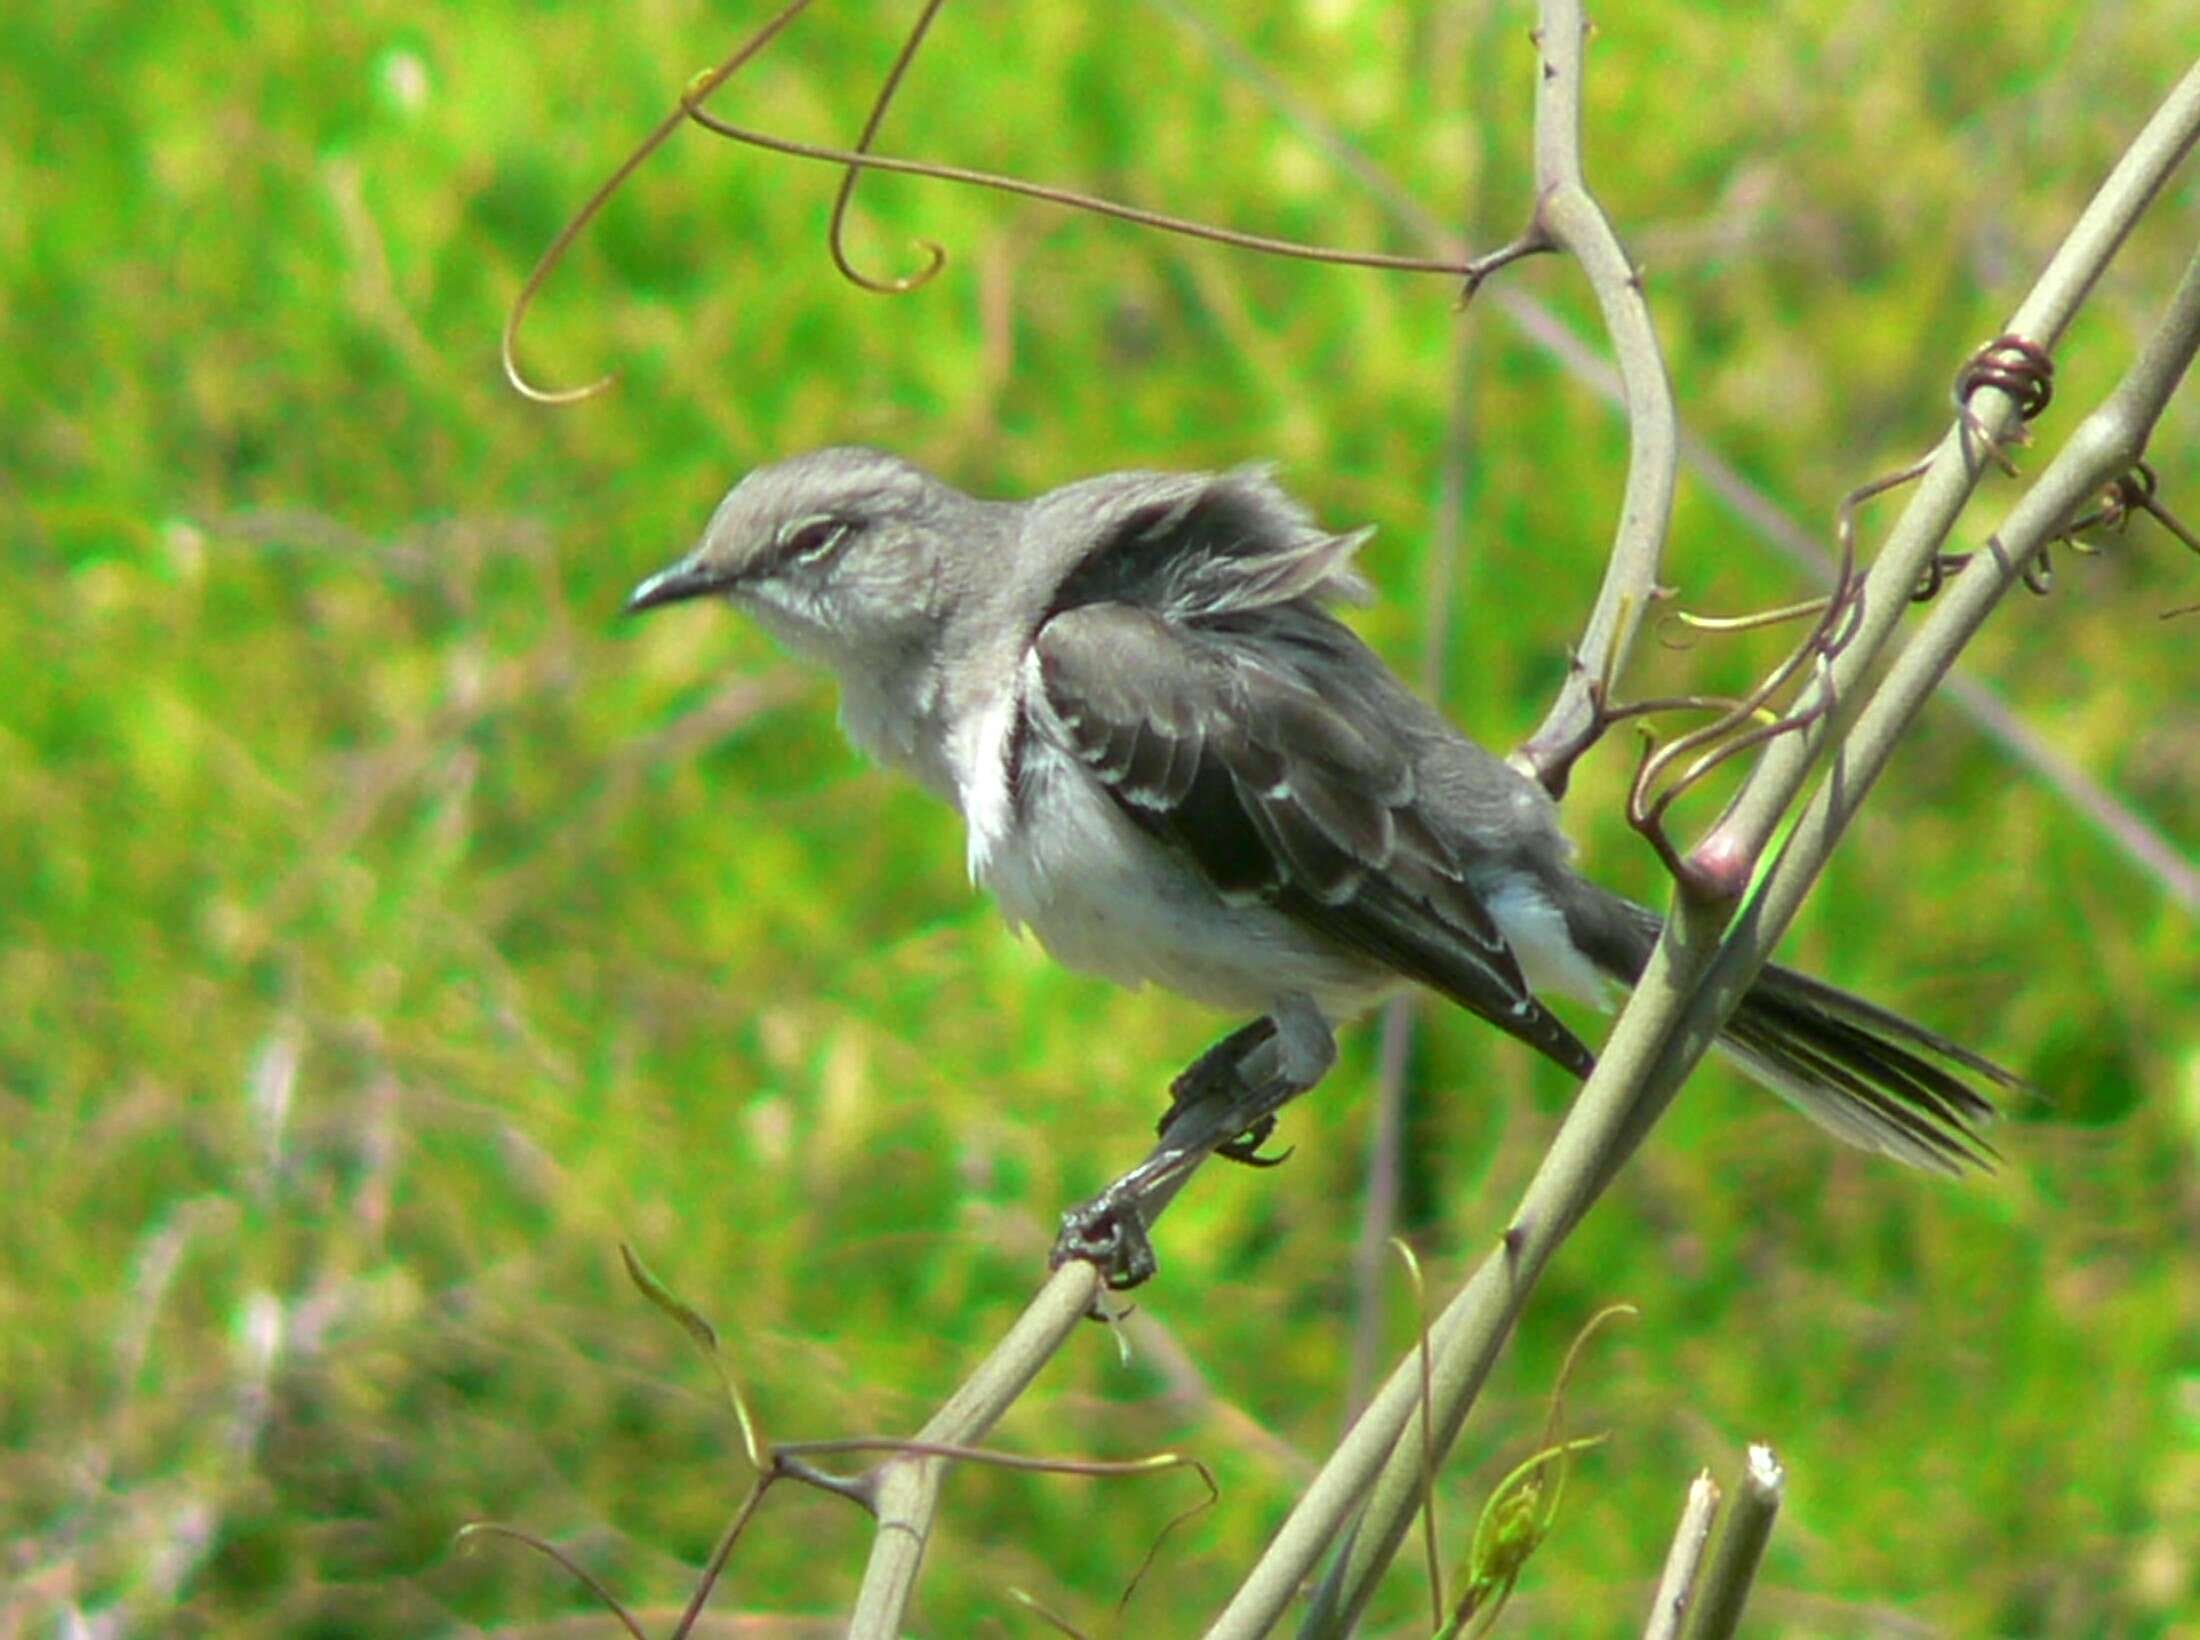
669 586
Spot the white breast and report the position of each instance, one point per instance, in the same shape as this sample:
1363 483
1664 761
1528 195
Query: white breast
1106 898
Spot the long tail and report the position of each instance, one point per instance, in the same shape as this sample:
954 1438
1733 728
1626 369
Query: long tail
1864 1074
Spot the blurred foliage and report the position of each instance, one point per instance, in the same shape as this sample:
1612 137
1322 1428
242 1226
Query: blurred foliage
387 930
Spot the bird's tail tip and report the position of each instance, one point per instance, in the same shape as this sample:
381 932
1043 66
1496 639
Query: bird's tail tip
1862 1072
1866 1074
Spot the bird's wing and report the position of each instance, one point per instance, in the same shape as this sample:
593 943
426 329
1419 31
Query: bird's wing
1283 782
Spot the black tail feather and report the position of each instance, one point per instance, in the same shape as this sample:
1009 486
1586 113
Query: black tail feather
1864 1073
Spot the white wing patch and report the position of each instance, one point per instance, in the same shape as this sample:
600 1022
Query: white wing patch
980 753
1536 930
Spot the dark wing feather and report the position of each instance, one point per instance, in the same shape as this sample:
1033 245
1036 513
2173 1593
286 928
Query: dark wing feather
1285 782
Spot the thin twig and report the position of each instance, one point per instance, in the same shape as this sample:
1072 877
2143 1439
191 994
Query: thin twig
571 1567
1394 1059
1092 204
1677 1584
702 86
907 1491
835 232
1379 1198
699 1597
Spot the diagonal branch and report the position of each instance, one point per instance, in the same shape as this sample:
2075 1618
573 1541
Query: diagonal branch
703 85
1954 471
1682 998
906 1490
2102 449
1092 204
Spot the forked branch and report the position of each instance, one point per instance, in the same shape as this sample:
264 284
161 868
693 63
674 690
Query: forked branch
1694 978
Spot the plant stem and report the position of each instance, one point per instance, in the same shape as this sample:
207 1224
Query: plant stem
1677 1584
1733 1568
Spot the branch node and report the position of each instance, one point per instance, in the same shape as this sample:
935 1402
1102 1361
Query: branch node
860 1490
1718 868
1534 240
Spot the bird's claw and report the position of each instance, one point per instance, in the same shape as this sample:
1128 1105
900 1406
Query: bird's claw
1245 1148
1109 1233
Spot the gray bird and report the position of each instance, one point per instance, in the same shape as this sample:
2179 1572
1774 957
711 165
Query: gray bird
1175 765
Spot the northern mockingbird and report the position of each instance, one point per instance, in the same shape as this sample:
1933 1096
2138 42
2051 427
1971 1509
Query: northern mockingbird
1176 765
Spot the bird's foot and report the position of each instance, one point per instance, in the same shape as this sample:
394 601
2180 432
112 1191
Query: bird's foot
1225 1104
1109 1232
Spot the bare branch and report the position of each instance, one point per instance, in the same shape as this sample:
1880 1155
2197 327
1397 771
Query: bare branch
1681 1000
935 254
1071 198
1733 1568
703 86
908 1489
1670 1021
1677 1584
1568 214
2104 447
1954 471
1686 993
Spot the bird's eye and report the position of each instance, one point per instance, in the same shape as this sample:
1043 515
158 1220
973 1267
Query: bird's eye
813 539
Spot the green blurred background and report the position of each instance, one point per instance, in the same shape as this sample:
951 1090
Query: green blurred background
389 930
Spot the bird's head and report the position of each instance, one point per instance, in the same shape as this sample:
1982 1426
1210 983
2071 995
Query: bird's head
844 554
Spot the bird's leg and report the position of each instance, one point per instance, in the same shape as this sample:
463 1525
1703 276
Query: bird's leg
1214 1075
1230 1093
